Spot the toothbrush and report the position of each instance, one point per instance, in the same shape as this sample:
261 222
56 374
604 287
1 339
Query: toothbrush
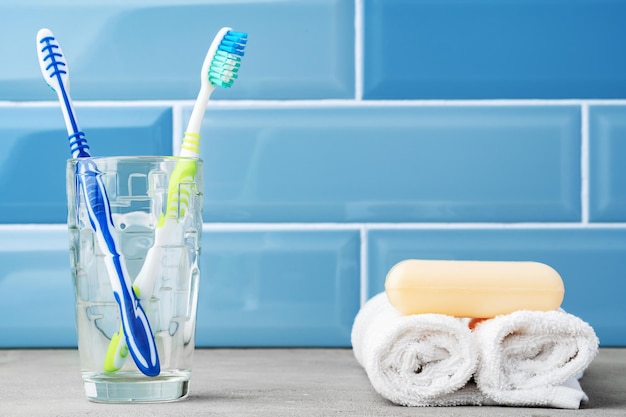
139 336
219 69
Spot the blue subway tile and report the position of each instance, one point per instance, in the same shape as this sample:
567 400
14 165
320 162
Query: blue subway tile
392 164
36 292
590 261
154 50
607 163
291 288
481 49
34 148
257 288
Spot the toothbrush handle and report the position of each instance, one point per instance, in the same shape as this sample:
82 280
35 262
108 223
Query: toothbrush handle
191 141
135 323
178 199
143 289
136 327
78 143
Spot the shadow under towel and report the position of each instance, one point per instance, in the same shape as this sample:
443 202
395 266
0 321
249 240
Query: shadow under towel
534 358
415 360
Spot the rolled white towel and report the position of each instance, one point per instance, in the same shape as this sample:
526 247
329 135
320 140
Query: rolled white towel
415 360
533 358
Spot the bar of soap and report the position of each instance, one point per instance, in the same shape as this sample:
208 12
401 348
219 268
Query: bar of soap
473 289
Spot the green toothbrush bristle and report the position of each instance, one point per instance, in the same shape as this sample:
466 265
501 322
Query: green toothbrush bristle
223 69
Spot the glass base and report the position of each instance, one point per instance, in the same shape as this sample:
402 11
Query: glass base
135 389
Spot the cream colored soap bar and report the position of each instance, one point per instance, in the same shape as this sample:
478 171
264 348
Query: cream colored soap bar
474 289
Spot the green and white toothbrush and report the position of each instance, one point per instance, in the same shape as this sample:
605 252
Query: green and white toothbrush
219 69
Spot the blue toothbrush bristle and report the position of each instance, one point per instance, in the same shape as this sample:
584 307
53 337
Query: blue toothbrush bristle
231 35
227 59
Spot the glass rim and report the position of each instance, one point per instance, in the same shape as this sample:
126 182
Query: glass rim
138 158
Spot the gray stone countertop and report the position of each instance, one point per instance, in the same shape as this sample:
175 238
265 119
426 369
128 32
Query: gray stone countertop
266 382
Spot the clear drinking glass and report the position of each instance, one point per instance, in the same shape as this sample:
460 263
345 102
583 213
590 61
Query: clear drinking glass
155 207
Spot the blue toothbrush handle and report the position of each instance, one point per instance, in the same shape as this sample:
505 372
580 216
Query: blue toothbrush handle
137 331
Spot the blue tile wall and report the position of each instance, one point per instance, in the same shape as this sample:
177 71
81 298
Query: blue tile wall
481 49
607 163
154 50
280 288
36 138
392 164
359 133
36 292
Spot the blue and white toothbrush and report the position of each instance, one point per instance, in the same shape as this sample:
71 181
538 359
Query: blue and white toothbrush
219 69
135 323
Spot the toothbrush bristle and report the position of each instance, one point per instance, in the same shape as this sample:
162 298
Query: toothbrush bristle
227 59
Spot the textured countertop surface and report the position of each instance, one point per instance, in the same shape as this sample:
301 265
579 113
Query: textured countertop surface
266 382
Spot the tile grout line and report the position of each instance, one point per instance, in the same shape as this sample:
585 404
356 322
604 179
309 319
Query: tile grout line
234 227
507 226
364 264
358 96
96 103
358 50
305 103
584 164
260 227
246 227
